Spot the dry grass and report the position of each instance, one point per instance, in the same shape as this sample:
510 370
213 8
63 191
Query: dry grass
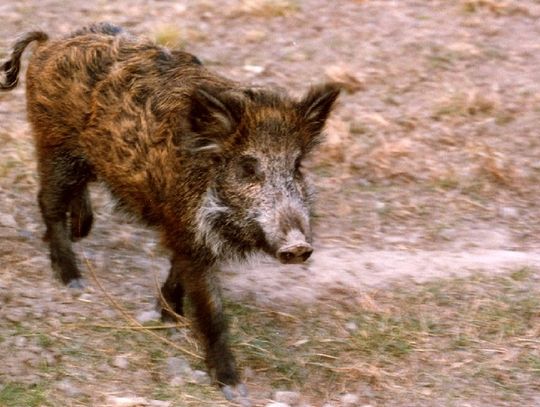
498 7
346 77
177 38
470 104
496 167
445 342
471 336
134 324
169 36
267 8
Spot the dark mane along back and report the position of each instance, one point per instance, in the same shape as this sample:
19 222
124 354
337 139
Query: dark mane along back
98 28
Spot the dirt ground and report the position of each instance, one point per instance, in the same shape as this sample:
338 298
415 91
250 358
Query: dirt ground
431 171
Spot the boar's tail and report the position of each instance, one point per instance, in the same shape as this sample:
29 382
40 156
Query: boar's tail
9 71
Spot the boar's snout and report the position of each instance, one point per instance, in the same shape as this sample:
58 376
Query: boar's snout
295 254
295 250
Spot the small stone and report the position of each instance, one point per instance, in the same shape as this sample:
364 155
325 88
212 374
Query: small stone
25 234
159 403
14 316
50 358
350 399
380 206
120 362
200 377
20 341
147 316
447 234
177 366
126 401
177 381
8 220
86 297
67 387
256 69
276 404
287 397
351 326
54 323
179 8
249 373
109 314
509 212
254 35
26 357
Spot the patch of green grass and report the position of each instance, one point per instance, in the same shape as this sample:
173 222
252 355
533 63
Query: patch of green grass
390 335
440 59
7 167
460 341
45 341
477 332
521 274
407 331
156 355
263 343
21 395
504 117
532 363
324 170
164 392
446 183
357 127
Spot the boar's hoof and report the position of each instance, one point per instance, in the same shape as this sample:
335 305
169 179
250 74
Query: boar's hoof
296 253
76 284
238 394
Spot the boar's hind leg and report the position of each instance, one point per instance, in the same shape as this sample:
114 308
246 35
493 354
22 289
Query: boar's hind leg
63 180
81 217
204 294
173 293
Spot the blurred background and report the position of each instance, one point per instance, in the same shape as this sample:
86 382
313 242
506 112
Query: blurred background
424 287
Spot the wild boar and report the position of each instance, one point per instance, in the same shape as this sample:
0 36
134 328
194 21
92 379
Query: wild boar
214 166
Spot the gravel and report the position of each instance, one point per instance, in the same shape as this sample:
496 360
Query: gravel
177 366
277 404
350 399
288 397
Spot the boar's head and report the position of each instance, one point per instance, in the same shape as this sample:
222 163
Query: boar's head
255 141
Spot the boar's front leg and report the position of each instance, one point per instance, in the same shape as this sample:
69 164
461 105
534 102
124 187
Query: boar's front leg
172 292
202 289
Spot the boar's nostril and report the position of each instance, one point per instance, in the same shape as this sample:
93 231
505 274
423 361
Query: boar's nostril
297 253
306 255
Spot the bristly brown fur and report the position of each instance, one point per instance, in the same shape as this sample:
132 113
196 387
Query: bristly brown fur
215 166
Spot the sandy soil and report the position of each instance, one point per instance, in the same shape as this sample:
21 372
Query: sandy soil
352 272
431 168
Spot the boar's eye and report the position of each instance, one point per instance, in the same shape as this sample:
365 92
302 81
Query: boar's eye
248 168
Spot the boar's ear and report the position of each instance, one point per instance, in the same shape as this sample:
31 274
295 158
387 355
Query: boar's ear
315 107
214 116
